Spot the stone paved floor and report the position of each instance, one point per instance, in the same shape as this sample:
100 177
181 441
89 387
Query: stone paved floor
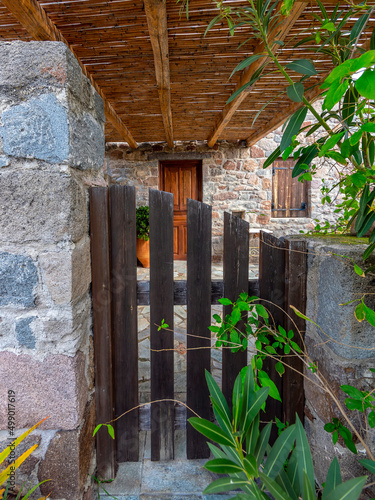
180 479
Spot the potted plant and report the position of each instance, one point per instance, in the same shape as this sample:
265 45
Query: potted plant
143 235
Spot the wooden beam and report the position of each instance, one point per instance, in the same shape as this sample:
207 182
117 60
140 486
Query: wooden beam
283 114
156 12
37 23
279 33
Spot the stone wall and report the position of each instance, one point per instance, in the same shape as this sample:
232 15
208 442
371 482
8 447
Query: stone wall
52 145
343 349
233 179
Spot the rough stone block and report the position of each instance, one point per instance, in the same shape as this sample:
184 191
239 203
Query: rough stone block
24 333
68 459
55 387
331 282
67 273
87 144
18 279
52 208
37 129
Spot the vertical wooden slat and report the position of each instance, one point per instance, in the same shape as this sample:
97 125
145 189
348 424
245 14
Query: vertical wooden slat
295 295
198 320
161 307
124 319
101 297
272 289
236 277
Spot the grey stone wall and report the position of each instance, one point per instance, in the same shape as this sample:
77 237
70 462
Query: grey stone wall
51 147
343 348
233 179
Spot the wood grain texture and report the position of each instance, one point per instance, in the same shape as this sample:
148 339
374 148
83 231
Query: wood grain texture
156 12
161 308
295 295
272 290
199 218
102 327
124 319
279 33
35 20
236 281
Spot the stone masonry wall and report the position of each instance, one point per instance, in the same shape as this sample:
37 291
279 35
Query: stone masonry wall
51 147
343 349
233 179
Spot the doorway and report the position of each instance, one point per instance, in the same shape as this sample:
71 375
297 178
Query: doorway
183 178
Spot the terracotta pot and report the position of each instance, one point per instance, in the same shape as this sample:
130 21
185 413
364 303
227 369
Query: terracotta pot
143 252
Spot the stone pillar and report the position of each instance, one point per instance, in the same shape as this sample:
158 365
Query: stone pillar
344 358
52 145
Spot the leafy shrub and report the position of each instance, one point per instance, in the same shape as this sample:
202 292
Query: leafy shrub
143 223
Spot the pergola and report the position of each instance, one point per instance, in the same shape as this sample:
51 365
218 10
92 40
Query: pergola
159 77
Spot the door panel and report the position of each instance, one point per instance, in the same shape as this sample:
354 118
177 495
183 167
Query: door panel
183 179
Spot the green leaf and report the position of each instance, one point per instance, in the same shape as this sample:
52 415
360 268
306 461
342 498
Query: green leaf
351 391
303 454
217 395
250 464
333 478
252 436
279 452
302 66
246 62
359 312
348 106
308 492
96 429
273 156
335 94
292 473
261 311
279 367
255 406
225 302
355 138
368 251
222 466
329 26
212 431
365 84
354 404
295 92
369 315
358 27
283 480
276 490
111 431
369 464
350 490
262 443
265 381
293 127
358 270
225 484
371 419
330 143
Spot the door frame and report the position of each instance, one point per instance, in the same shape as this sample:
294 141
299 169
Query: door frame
182 164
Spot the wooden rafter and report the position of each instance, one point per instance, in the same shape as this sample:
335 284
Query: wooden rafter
156 12
37 23
284 114
280 32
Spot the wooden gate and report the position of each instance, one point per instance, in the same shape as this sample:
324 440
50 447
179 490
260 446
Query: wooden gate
116 294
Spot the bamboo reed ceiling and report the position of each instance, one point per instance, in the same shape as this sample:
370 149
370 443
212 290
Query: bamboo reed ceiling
178 92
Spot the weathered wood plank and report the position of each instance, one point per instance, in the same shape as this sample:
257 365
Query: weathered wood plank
156 12
199 219
102 327
124 319
272 290
161 307
180 291
35 20
295 295
236 281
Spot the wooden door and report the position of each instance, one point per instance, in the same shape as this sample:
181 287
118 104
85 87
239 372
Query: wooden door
184 180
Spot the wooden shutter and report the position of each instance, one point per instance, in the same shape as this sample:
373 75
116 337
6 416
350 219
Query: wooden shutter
289 196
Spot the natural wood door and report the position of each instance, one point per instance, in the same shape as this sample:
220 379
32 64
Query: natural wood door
184 180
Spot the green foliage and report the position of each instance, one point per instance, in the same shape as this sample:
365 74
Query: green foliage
244 453
143 223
